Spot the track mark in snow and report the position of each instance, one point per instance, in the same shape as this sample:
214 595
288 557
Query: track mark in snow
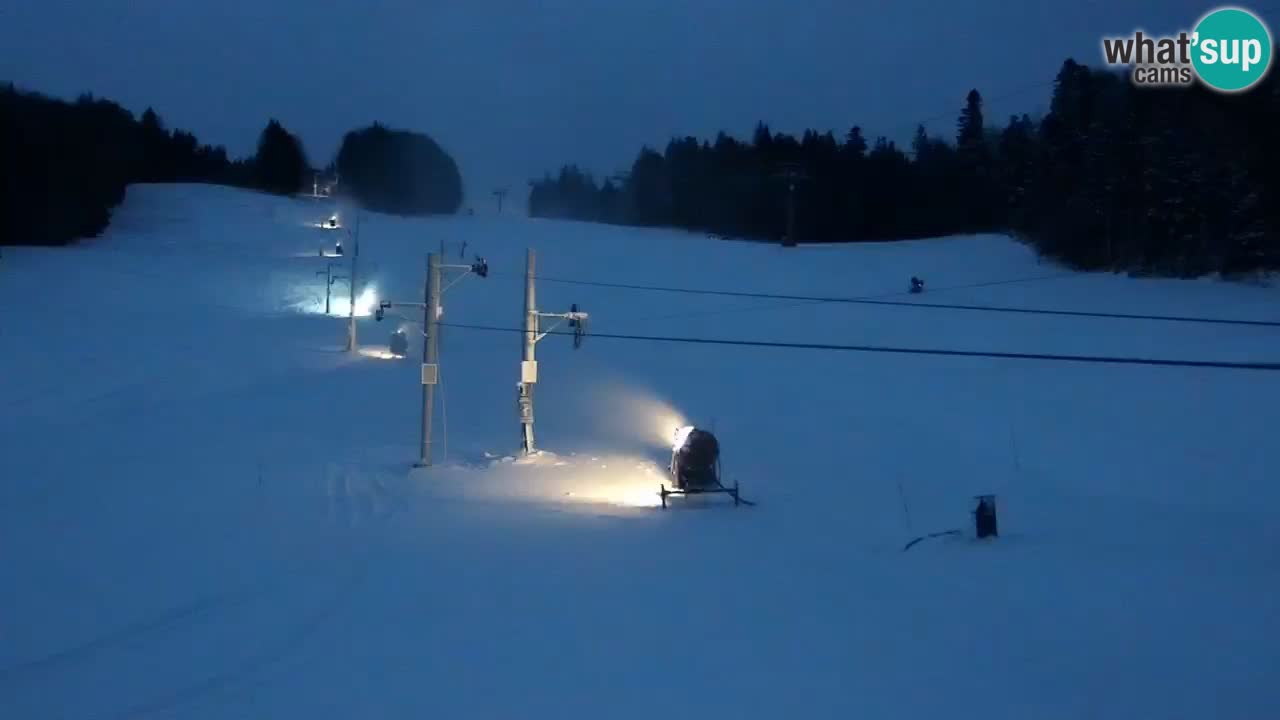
172 618
255 663
377 496
244 672
169 620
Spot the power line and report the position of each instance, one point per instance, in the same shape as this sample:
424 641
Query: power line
1078 313
1096 359
799 303
904 303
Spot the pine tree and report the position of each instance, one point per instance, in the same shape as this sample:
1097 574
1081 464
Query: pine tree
153 164
978 193
855 144
280 163
970 136
1016 168
650 188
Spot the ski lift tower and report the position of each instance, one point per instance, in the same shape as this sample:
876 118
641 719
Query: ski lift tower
432 311
529 364
352 345
791 173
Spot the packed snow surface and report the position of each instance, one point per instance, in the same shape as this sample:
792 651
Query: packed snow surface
208 509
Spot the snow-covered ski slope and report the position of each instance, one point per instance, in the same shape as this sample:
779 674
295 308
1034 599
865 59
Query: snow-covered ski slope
207 510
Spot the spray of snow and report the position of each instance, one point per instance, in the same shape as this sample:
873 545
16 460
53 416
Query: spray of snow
630 415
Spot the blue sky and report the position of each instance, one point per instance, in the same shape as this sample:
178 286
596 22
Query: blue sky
515 87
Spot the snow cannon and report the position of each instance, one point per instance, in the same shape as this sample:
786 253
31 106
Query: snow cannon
399 345
694 458
695 466
984 517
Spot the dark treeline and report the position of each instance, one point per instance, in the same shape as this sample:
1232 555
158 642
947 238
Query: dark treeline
398 171
66 164
1179 181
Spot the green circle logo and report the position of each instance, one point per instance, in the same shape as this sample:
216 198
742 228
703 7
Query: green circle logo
1232 49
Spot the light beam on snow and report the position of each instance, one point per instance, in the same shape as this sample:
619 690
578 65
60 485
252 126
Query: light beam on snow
380 352
582 482
340 302
366 301
622 497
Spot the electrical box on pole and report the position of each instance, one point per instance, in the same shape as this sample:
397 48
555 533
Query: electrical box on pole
430 374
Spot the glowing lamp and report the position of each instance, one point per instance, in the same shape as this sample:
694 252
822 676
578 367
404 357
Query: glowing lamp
695 459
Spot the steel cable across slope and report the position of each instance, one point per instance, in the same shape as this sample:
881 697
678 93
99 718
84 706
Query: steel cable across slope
816 299
831 347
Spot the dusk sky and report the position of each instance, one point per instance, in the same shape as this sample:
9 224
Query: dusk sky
513 88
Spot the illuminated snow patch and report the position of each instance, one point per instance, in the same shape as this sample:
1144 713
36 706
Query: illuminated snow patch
575 484
340 303
379 352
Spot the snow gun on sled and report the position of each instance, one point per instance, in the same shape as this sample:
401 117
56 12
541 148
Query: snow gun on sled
695 467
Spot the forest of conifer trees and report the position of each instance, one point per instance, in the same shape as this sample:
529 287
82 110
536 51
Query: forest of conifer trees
1169 181
67 164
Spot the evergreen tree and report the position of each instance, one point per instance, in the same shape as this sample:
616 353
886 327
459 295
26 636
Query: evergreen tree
1017 158
650 187
855 146
978 195
1174 181
401 172
280 163
67 164
970 136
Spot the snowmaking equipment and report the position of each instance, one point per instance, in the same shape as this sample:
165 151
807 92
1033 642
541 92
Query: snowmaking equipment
695 466
984 517
399 345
